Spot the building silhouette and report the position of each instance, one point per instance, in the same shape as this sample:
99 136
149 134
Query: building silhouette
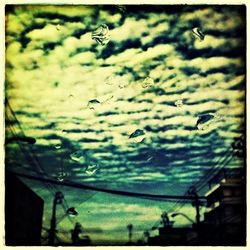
226 212
224 221
23 213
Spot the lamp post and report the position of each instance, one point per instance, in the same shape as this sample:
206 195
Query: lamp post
57 200
70 211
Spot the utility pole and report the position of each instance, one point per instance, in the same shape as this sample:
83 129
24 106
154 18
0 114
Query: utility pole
196 203
130 227
57 200
197 208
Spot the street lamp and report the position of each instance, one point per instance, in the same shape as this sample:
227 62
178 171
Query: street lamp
27 139
58 199
184 215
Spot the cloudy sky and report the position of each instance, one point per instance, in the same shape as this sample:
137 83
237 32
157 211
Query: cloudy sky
136 98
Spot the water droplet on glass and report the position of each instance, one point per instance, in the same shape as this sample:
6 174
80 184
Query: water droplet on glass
147 82
150 159
204 121
61 176
92 104
91 169
110 80
77 156
138 135
122 85
122 8
56 84
218 116
197 33
58 27
179 103
58 146
108 99
101 34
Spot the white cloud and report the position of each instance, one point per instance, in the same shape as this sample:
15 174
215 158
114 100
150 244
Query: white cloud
83 58
131 29
206 64
49 34
151 53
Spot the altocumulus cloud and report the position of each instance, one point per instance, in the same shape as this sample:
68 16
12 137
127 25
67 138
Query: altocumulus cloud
54 69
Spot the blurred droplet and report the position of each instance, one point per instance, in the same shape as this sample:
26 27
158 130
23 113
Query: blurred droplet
122 85
147 82
58 146
238 143
137 136
204 121
77 156
101 34
108 99
64 131
92 104
72 211
179 103
218 116
197 32
136 133
91 169
56 84
58 27
110 80
150 159
61 176
122 8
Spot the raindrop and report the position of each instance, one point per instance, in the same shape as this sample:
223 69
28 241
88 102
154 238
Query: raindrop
58 27
179 103
77 156
150 159
61 176
92 104
108 99
91 169
218 116
58 146
64 131
138 135
72 211
147 82
101 34
56 84
122 85
122 8
238 143
197 32
204 121
110 80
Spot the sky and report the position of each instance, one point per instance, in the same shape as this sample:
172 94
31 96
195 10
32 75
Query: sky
136 98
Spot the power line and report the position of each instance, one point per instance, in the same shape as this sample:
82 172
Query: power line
110 191
30 160
201 181
225 163
30 155
212 170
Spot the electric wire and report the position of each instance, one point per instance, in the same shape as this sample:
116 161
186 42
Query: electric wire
110 191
